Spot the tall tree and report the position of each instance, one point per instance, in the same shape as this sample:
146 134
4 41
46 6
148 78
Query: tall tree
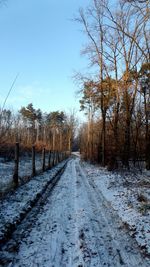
145 90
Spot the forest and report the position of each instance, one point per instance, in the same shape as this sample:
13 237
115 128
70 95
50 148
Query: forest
115 93
30 126
75 190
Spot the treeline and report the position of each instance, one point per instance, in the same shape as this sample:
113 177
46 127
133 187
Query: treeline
116 95
30 126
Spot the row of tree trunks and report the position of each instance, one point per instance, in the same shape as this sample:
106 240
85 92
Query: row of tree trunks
118 49
54 157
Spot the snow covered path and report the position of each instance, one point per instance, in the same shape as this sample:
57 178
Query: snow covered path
73 227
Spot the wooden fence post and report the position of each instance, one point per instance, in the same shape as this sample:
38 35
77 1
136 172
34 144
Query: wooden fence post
57 160
16 169
58 157
33 161
49 160
43 160
53 158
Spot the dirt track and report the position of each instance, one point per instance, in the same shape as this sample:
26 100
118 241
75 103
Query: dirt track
72 226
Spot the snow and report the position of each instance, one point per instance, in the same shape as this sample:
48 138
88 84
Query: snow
6 174
77 154
25 170
15 205
76 223
123 191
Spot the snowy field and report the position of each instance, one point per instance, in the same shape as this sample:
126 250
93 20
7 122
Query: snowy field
25 170
77 224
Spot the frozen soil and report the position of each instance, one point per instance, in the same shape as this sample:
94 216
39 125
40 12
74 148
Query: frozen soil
73 225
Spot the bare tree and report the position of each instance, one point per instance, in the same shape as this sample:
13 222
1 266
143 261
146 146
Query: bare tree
118 46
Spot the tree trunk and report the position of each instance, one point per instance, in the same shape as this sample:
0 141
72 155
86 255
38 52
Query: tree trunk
104 139
147 136
127 143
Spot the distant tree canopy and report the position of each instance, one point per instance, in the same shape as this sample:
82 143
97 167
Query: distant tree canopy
30 126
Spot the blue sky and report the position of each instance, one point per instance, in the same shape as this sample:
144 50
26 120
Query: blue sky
39 40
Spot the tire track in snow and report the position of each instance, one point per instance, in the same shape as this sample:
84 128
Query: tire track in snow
47 243
101 230
74 228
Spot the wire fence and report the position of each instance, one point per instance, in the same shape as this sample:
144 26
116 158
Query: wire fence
23 167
